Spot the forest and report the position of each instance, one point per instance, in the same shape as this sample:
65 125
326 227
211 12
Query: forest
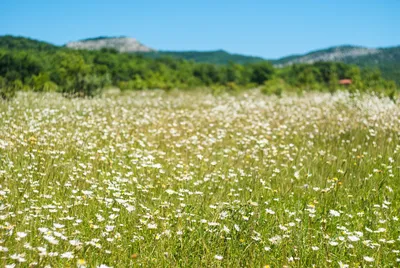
27 65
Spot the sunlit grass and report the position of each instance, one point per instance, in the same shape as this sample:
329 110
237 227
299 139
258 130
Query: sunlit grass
193 180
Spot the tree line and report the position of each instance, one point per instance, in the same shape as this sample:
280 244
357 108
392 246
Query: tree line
85 73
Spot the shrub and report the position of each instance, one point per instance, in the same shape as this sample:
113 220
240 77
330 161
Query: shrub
136 84
86 86
217 90
275 86
8 90
232 87
42 82
391 90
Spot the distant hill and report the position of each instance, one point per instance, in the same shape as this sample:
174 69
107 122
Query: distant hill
387 60
19 42
338 53
121 44
216 56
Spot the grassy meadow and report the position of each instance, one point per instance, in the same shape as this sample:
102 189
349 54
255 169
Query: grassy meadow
180 179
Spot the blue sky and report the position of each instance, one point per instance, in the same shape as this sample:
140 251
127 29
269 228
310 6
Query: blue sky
264 28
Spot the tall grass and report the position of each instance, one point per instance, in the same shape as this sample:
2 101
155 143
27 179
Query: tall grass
192 180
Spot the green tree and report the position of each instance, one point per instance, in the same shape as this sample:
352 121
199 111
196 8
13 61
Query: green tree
333 79
261 72
306 78
354 74
42 82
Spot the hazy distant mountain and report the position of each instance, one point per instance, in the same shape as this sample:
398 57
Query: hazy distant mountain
338 53
121 44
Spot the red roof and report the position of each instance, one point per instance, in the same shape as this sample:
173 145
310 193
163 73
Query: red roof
345 81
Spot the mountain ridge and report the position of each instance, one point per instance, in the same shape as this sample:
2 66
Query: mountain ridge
333 53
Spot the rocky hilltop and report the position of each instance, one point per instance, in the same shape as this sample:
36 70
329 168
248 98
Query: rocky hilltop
121 44
338 53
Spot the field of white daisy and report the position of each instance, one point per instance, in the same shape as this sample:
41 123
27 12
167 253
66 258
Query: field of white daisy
182 179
